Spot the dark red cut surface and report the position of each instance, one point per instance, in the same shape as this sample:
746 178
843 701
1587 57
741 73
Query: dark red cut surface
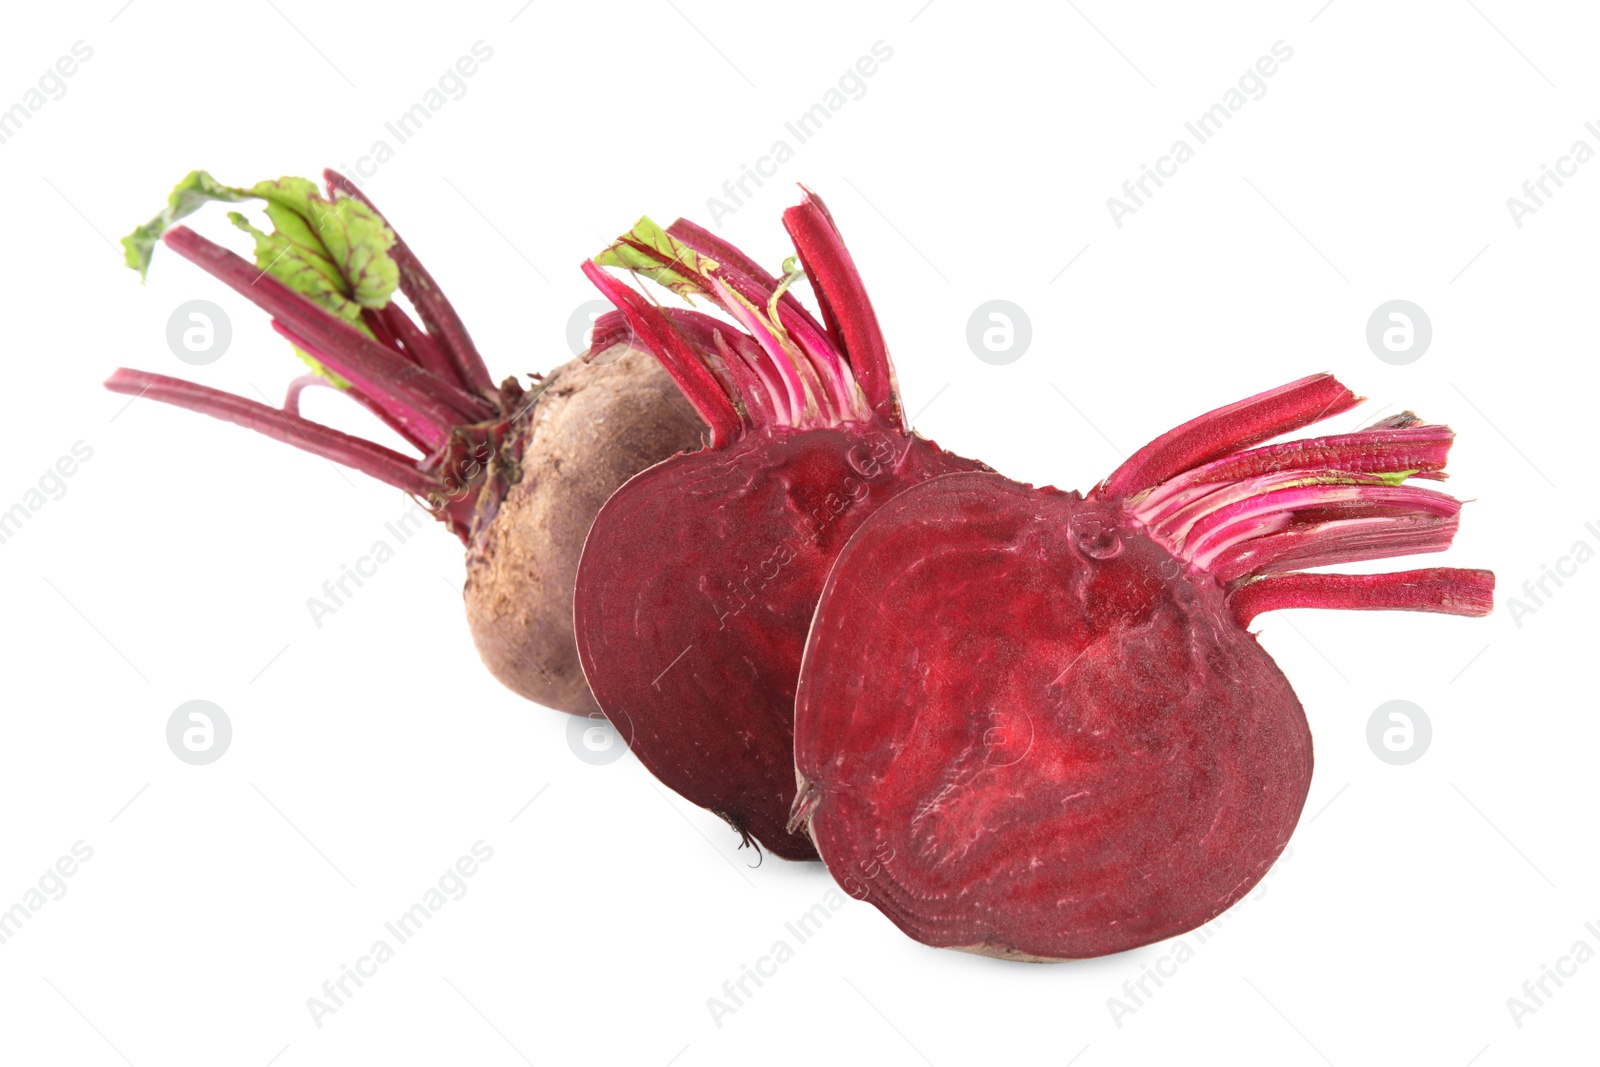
695 593
1027 729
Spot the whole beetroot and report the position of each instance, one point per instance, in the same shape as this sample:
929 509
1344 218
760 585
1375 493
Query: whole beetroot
516 473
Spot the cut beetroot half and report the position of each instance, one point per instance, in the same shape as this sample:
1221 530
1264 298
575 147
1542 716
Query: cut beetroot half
1032 724
700 575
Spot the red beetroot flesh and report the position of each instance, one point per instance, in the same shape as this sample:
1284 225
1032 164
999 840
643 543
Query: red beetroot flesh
700 575
697 586
1032 724
1025 741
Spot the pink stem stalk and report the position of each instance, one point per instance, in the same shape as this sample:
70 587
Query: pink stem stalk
1228 429
845 306
802 401
1445 590
761 398
843 393
677 357
1323 544
379 462
418 420
291 399
418 345
1226 499
1228 526
384 334
389 374
610 328
444 325
729 258
747 367
1419 449
291 404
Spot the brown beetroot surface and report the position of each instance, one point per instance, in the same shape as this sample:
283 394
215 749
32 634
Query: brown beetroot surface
593 428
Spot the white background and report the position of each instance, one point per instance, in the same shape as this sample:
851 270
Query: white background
370 753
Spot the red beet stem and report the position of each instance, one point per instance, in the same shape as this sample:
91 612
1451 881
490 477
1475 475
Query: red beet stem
610 328
417 344
708 244
381 463
725 349
391 377
444 325
291 404
291 398
740 365
806 403
729 351
763 393
408 424
843 397
1228 429
1322 544
1242 515
1268 511
427 426
677 357
821 348
1445 590
846 309
818 386
1415 449
383 332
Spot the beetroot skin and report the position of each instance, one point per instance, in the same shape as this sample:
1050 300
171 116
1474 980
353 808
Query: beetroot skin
1032 724
700 575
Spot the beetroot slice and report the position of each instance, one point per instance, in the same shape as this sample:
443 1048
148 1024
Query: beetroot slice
1032 724
700 575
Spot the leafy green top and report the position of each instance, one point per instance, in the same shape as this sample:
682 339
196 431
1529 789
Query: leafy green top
333 252
643 249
